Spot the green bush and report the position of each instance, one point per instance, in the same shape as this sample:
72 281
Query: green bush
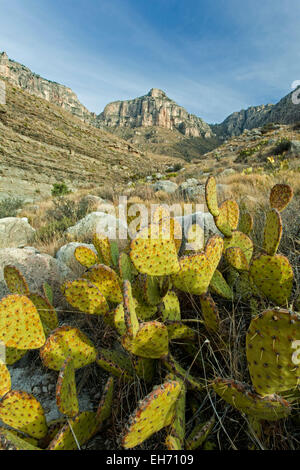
9 207
60 189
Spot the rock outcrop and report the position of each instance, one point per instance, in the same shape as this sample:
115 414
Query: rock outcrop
153 109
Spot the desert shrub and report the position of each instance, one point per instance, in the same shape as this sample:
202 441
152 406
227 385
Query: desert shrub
60 189
9 207
283 145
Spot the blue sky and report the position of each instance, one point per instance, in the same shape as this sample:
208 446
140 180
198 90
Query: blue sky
213 57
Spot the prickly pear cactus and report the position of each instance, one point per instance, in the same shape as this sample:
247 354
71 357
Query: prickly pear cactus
66 395
280 196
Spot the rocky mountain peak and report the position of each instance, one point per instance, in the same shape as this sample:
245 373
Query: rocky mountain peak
157 93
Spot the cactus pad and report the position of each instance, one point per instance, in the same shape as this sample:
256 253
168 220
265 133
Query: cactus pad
84 427
116 363
273 232
244 399
20 323
66 395
151 340
22 411
211 196
85 256
145 312
118 319
179 330
67 341
151 290
273 275
195 238
10 440
5 382
171 307
272 342
102 245
175 439
46 312
210 313
236 258
199 434
105 405
13 355
280 196
85 296
48 292
213 251
153 413
15 281
242 241
219 286
245 223
144 368
175 368
131 321
228 218
107 281
126 268
153 252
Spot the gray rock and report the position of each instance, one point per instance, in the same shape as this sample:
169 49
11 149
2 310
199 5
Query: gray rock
15 232
158 176
204 219
37 268
93 200
166 185
100 222
66 255
227 172
295 149
191 189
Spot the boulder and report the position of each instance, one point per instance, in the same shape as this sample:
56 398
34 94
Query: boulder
15 232
100 222
204 219
37 268
66 255
294 149
166 185
227 172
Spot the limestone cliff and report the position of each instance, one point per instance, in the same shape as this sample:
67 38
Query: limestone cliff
153 110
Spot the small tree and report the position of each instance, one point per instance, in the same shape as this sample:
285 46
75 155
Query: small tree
60 189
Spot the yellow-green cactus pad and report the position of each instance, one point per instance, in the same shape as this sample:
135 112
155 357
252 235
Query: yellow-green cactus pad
116 363
245 222
102 245
199 434
209 312
67 341
153 413
153 252
175 368
54 426
236 258
228 218
10 440
48 292
20 323
5 381
145 312
273 232
144 368
126 268
273 351
85 296
244 399
177 428
280 196
15 281
46 311
119 320
151 290
244 286
273 275
131 321
151 340
107 281
160 212
195 238
13 355
20 410
173 443
66 395
105 405
84 427
171 307
85 256
211 196
213 251
219 286
242 241
179 330
173 228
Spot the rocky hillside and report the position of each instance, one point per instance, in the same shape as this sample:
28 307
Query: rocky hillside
41 144
284 112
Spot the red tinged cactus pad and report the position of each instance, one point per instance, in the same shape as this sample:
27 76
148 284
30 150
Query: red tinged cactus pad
273 276
153 413
272 232
210 313
84 426
244 399
151 340
211 196
85 256
66 395
20 410
273 351
107 281
85 296
46 312
199 434
15 281
153 252
5 382
130 317
242 241
228 218
280 196
67 341
20 323
11 440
